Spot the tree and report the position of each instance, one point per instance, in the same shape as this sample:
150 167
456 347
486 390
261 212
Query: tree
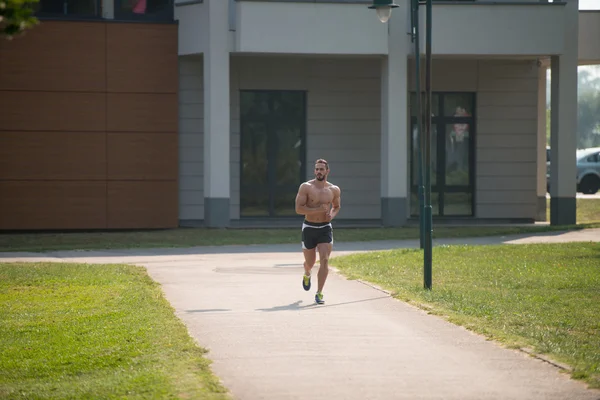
588 110
16 16
588 122
588 107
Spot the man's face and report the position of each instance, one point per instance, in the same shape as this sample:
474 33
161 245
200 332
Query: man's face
321 171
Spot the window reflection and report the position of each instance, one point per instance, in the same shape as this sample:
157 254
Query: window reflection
457 154
273 140
79 8
144 7
451 154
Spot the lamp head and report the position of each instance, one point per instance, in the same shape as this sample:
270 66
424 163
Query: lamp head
383 9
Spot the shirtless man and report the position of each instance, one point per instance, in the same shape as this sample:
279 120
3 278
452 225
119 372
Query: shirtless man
319 202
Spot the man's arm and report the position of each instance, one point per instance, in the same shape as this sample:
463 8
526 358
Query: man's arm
336 203
302 198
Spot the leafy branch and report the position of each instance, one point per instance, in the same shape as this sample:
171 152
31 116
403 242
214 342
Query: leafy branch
16 16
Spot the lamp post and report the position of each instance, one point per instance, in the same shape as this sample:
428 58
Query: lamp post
384 12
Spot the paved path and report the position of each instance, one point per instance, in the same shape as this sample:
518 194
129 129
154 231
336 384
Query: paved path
268 339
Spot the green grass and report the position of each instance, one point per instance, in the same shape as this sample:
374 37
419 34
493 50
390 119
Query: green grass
174 238
545 297
588 210
95 332
588 216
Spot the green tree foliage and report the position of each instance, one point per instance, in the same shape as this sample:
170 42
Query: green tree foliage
15 17
588 121
588 128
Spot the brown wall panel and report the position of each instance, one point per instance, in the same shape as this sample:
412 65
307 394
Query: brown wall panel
52 155
62 131
52 205
129 112
142 156
142 204
53 111
61 56
142 58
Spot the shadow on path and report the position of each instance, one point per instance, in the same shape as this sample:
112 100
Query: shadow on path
295 306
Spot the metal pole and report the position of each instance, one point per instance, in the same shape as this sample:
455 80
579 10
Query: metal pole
428 212
419 111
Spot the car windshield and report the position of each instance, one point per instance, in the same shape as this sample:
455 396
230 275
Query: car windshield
584 153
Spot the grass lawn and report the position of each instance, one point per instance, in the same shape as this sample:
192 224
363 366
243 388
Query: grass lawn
588 210
94 332
588 217
545 297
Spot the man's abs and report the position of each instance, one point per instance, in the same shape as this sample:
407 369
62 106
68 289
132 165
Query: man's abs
316 218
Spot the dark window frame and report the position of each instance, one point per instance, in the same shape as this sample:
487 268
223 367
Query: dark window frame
44 15
271 150
166 15
439 121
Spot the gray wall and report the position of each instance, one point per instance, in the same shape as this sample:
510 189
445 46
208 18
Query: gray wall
343 120
506 132
507 139
191 137
344 108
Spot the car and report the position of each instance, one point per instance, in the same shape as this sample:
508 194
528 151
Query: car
588 170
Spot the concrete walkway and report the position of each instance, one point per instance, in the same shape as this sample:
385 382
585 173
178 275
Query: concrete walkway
268 340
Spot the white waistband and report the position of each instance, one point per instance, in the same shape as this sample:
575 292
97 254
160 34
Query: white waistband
315 227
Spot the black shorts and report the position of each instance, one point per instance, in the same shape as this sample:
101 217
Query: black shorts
315 233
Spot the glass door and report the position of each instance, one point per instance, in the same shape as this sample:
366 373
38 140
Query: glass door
273 146
452 155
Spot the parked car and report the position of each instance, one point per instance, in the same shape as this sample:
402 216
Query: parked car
588 170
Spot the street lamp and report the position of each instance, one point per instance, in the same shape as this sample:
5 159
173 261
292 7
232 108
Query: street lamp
384 11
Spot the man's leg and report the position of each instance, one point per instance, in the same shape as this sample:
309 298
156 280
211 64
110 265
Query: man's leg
310 256
324 250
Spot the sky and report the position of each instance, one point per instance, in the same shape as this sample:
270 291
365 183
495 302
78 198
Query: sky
589 4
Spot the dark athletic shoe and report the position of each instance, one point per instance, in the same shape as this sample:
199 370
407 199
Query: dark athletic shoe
319 298
306 282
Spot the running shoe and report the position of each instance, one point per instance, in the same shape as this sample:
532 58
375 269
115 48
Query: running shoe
319 298
306 282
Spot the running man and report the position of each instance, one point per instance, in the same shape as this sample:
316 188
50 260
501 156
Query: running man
319 202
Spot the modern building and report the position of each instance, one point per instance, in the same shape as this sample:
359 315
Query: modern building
212 112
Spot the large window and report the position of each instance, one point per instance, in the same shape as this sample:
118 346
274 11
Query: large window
273 146
144 9
452 155
68 8
124 10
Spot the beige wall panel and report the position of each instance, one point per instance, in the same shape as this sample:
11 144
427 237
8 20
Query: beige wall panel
500 210
490 169
506 139
53 155
447 75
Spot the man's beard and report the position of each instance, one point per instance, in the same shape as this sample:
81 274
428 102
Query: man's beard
320 178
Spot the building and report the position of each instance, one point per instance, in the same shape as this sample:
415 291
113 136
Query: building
212 112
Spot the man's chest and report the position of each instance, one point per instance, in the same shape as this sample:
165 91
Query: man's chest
320 195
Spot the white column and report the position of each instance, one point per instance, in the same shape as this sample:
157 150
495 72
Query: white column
394 123
216 116
564 123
